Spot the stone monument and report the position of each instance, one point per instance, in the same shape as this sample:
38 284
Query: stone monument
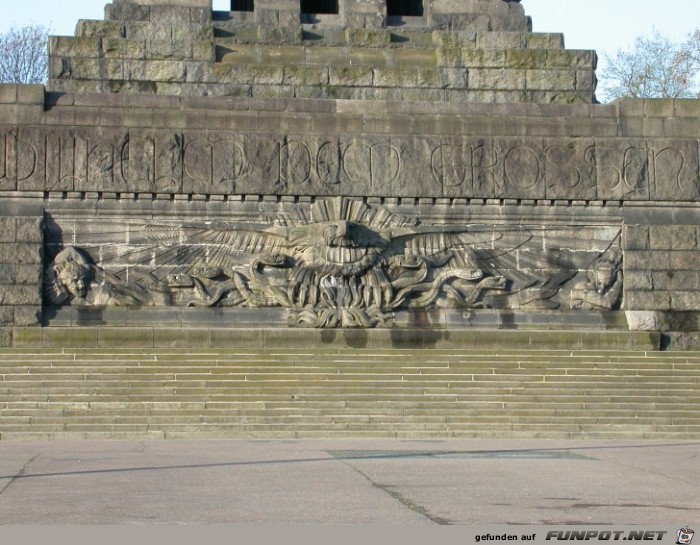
416 165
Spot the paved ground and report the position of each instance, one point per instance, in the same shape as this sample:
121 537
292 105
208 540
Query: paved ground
348 482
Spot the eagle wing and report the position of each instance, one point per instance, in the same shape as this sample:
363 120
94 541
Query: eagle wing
214 245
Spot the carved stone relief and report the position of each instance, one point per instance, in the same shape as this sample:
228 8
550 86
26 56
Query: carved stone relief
337 262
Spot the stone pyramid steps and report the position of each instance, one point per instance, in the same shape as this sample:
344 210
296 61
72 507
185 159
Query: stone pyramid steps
98 393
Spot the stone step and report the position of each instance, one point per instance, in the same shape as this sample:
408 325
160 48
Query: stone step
385 393
355 60
339 407
379 408
292 419
387 429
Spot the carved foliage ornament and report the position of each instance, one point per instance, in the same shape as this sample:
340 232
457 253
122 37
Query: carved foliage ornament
347 264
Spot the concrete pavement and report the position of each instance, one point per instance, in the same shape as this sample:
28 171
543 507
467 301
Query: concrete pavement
350 482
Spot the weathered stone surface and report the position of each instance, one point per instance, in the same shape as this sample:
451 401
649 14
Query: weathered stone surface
149 160
27 315
466 37
397 117
20 295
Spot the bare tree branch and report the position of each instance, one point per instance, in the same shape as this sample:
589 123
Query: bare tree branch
24 55
656 67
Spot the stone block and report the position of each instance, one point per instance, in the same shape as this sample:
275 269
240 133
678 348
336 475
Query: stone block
27 315
149 316
5 337
646 300
29 230
679 127
586 81
686 108
7 316
676 237
119 337
550 80
412 57
570 59
203 51
659 107
201 14
181 337
290 338
236 338
550 41
31 94
7 229
27 337
110 29
305 76
497 79
500 40
526 58
127 12
685 300
63 46
201 4
642 320
639 280
69 337
8 93
127 49
367 37
483 58
661 237
20 295
684 261
366 57
647 260
20 253
351 76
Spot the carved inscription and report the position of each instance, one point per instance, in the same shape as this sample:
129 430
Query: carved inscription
51 159
522 171
26 156
674 171
328 163
6 181
570 170
371 164
295 163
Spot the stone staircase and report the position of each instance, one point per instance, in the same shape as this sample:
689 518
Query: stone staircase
54 393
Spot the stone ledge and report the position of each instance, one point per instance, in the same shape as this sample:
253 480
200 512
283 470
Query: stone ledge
281 338
233 319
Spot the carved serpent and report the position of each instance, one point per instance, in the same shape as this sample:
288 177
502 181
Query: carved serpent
432 291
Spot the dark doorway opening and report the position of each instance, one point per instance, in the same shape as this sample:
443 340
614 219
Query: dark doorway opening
407 8
242 5
319 6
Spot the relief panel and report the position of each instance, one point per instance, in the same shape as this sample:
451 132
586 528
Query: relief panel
337 262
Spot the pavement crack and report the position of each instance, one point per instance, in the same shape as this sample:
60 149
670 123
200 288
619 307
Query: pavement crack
19 474
410 504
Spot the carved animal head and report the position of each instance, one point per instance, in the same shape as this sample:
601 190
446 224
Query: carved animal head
338 248
604 270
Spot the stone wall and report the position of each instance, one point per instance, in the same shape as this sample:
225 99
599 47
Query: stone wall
78 164
444 169
458 52
225 146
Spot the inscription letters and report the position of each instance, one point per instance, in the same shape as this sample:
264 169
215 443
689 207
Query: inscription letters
166 162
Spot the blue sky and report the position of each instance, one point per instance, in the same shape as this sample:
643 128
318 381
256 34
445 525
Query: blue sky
603 25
